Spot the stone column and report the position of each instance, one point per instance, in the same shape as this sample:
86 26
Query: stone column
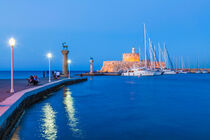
65 65
133 50
91 65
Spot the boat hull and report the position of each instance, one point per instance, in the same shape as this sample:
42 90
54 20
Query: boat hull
169 72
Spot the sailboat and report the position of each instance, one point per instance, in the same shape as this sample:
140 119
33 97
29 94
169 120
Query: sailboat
166 57
146 71
204 71
198 71
155 70
182 71
140 71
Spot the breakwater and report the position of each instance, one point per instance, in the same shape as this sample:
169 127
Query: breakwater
13 107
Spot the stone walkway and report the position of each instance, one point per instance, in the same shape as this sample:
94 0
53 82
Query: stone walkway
19 84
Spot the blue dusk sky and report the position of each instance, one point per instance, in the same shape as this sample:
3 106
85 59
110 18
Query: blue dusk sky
103 29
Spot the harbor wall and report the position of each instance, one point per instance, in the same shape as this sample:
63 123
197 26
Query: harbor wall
116 66
12 113
195 69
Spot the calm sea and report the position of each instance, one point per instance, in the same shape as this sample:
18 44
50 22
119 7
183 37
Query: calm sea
168 107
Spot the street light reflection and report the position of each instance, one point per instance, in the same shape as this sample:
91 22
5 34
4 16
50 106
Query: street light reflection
16 135
69 106
49 130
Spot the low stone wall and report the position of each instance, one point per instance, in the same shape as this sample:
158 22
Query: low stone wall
10 117
194 70
116 66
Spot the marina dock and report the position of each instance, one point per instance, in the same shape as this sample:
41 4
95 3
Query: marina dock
13 106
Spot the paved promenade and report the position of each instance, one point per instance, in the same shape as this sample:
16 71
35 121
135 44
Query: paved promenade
19 84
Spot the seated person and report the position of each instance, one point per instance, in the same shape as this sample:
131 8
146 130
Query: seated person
57 74
35 80
54 75
30 80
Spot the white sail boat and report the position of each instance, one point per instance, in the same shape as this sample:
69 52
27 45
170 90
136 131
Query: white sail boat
182 71
166 57
140 71
198 71
153 53
146 71
204 71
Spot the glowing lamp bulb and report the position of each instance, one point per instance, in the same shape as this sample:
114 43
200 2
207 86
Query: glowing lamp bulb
49 55
69 61
12 42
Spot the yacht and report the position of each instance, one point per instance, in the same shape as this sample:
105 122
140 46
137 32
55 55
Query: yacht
146 73
168 71
204 71
198 71
129 73
138 72
182 72
158 72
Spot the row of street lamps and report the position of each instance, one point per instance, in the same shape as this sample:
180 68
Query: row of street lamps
49 55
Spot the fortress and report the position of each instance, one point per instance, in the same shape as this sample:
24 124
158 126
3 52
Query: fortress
130 60
131 57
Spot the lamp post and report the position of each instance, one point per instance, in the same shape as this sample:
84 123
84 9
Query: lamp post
49 55
12 43
69 62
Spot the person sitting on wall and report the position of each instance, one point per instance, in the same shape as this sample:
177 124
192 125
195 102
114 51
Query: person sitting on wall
57 74
36 81
33 80
54 75
30 80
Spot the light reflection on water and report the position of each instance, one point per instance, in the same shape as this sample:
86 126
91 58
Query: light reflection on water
49 129
15 136
69 107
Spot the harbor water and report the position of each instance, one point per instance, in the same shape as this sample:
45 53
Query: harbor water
122 108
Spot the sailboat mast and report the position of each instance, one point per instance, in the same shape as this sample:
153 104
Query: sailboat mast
197 63
159 55
166 65
150 52
139 57
145 47
182 63
154 55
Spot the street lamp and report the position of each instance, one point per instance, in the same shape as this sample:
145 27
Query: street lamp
12 44
49 55
69 62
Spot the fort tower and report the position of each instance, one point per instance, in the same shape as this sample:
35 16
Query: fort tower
131 57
